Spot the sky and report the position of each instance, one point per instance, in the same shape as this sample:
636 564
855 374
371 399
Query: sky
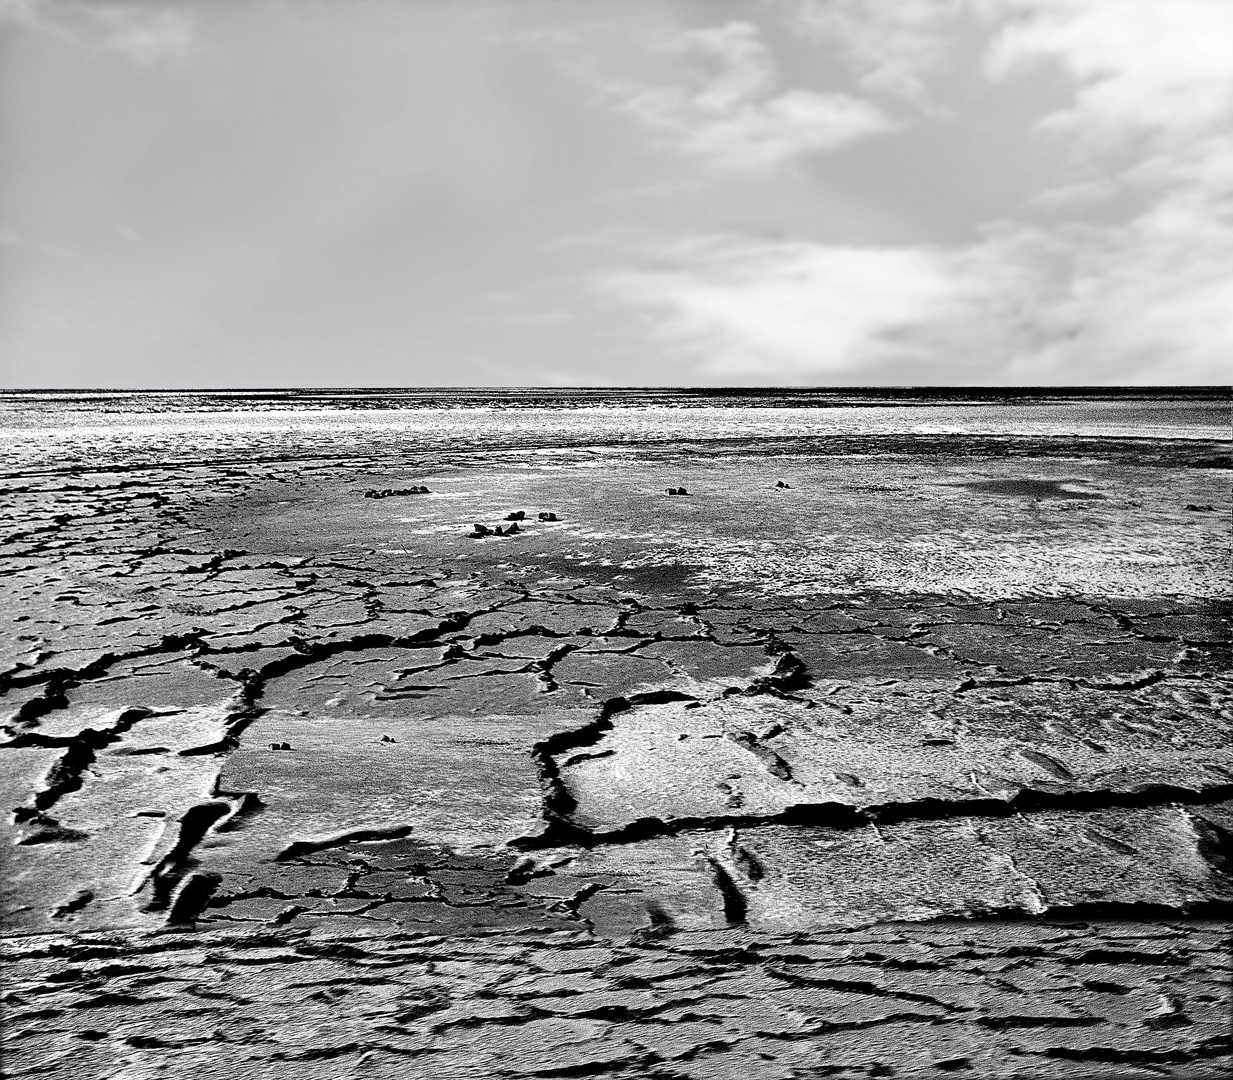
264 193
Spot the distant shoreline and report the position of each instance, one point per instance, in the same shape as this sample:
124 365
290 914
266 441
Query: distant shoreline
762 397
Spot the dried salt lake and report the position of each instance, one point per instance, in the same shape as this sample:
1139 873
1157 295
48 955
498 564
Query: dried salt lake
919 763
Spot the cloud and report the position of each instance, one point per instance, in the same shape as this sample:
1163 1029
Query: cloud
894 46
741 308
144 33
1141 300
732 121
1144 304
1139 66
1151 111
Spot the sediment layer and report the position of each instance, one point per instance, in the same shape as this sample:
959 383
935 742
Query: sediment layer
249 708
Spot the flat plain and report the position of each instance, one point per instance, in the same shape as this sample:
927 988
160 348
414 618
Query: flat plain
876 752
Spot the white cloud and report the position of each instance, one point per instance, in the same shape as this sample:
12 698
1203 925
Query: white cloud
732 120
785 311
144 33
1135 62
1145 300
1139 66
1152 110
1146 303
894 46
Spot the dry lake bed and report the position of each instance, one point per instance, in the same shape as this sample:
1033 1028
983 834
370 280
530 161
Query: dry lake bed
897 745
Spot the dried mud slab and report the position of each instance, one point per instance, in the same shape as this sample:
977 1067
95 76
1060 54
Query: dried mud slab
921 764
1026 999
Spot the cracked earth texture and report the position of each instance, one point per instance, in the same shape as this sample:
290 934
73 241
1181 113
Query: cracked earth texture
918 766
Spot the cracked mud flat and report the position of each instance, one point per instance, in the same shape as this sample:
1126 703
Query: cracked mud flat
919 766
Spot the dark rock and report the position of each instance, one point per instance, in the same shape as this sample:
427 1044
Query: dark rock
385 493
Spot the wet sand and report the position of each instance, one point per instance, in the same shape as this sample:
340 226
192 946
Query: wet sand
920 765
